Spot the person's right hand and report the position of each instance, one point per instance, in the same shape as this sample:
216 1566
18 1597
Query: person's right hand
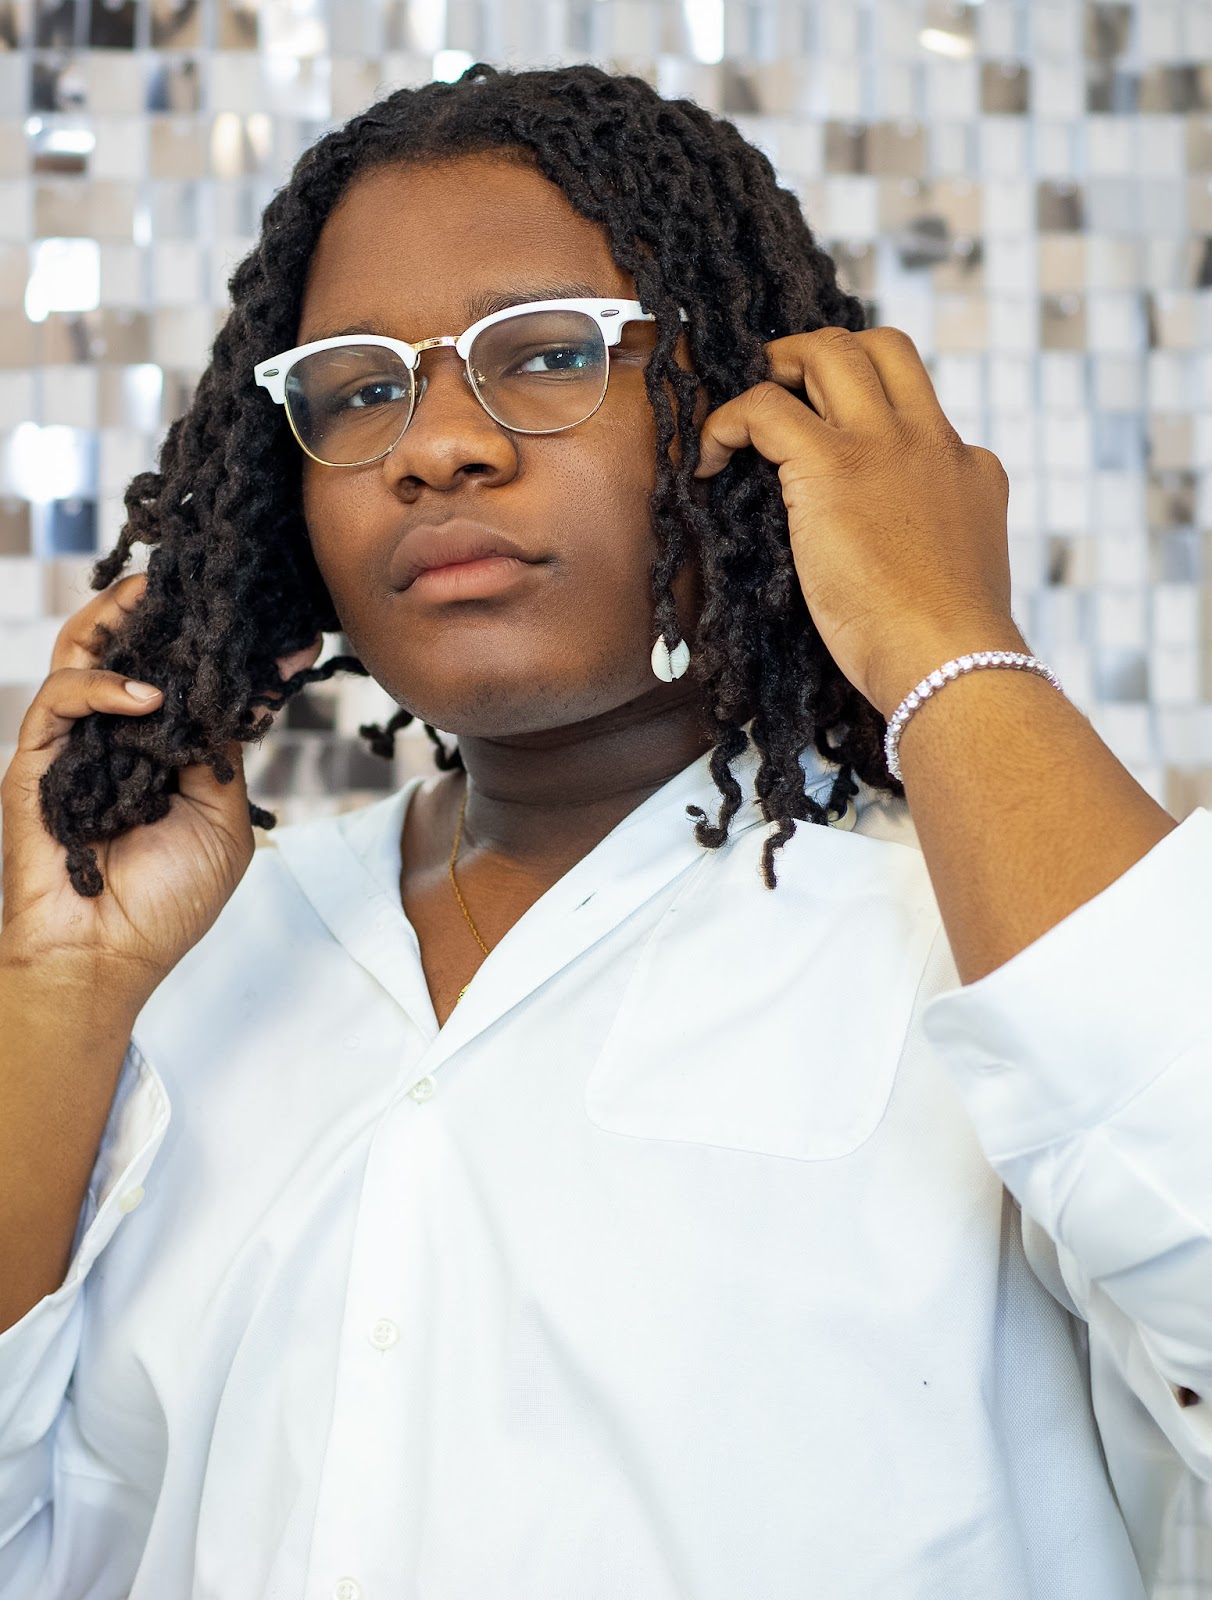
165 883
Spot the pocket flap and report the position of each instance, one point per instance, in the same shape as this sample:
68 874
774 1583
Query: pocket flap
772 1020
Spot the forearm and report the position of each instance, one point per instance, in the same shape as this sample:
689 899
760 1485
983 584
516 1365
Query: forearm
62 1044
1022 812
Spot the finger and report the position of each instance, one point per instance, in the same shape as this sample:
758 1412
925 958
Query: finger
66 696
777 424
834 370
78 645
902 372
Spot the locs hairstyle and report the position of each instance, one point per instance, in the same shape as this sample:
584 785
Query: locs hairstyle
695 215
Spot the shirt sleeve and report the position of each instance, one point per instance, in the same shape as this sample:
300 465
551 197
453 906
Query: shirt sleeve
38 1356
1085 1062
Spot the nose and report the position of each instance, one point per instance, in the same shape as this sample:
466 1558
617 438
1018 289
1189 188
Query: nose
450 437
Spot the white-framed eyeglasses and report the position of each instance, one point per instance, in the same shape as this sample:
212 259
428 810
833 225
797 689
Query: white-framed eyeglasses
540 367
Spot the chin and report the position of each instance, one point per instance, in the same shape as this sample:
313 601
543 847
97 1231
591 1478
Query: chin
497 709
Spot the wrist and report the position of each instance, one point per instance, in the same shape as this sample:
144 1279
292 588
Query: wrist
77 988
916 655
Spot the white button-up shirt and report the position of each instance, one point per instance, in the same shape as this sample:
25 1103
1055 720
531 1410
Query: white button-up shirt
685 1262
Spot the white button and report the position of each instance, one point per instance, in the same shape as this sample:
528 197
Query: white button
352 1042
131 1198
346 1589
423 1089
384 1334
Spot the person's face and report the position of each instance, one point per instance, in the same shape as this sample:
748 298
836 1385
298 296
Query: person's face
567 636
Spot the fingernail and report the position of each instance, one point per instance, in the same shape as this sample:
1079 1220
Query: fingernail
140 691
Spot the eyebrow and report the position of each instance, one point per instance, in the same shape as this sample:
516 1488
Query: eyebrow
482 305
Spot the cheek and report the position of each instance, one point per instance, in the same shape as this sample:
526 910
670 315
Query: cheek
332 510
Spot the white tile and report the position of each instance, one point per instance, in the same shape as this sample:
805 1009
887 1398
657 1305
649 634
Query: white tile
1114 323
1126 730
1174 674
1011 383
16 210
121 150
25 649
1023 513
998 30
1067 442
68 396
16 398
1118 382
1002 146
959 382
950 146
1176 613
1110 145
952 88
1121 558
1185 734
1013 323
1015 440
1196 35
852 207
1072 665
1160 145
1056 30
1113 263
123 280
1054 147
1062 380
1058 88
21 587
121 454
839 30
176 274
1159 30
1066 503
1170 378
1011 264
1008 207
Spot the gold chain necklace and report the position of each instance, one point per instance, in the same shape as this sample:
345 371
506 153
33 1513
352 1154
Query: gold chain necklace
454 850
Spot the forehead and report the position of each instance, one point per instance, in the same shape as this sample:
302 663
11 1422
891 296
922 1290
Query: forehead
414 247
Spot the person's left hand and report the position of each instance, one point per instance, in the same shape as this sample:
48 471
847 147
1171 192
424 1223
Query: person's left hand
898 528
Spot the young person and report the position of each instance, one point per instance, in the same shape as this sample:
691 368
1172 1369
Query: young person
568 1175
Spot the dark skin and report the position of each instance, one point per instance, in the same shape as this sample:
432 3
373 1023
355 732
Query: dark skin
562 725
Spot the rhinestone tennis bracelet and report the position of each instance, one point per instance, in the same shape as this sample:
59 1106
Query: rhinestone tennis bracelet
936 680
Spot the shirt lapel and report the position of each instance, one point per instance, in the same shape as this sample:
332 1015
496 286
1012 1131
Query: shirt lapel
349 866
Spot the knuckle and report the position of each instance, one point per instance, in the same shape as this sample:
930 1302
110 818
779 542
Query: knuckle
831 334
765 393
886 334
988 462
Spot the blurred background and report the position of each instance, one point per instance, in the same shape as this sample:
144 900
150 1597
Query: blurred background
1025 188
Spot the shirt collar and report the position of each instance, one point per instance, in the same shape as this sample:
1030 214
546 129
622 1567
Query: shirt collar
349 869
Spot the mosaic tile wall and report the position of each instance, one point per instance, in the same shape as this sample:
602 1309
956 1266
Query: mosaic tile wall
1025 188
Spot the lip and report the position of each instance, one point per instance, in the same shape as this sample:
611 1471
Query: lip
457 555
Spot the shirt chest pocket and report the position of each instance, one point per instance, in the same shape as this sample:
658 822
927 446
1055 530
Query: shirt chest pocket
766 1020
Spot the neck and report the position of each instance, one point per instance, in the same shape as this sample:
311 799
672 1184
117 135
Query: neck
552 796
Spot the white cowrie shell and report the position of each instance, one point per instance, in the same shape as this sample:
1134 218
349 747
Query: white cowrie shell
667 664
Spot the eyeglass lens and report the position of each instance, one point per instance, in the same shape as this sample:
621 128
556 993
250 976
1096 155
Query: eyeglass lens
537 372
